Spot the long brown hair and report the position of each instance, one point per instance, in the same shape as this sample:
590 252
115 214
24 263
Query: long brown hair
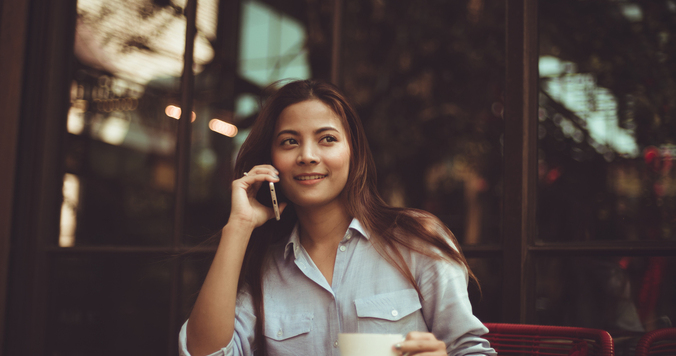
390 228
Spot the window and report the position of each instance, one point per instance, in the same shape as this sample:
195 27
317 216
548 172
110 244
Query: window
428 81
605 165
540 132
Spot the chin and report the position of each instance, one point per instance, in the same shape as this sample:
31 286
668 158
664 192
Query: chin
313 202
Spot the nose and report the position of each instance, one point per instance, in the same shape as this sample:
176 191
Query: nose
308 155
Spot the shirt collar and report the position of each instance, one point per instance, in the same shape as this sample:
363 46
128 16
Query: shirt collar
294 239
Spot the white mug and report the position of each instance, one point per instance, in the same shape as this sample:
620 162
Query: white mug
368 344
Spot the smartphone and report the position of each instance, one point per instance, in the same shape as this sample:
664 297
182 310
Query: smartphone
275 204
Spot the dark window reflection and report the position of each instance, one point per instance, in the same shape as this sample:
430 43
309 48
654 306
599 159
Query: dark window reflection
487 302
607 121
108 305
624 295
118 189
427 77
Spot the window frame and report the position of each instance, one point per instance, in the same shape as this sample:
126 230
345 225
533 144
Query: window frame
520 248
12 46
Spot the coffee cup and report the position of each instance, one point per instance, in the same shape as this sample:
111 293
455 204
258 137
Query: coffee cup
368 344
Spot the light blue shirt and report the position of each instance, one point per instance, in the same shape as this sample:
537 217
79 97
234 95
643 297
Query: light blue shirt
304 314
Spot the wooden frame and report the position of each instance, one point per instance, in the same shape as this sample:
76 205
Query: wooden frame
43 104
520 150
12 46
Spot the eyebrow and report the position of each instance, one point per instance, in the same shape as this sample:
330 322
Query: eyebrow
317 131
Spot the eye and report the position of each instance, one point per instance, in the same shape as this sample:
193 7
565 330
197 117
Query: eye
288 142
329 138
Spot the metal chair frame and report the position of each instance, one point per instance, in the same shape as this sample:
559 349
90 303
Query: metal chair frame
659 342
544 340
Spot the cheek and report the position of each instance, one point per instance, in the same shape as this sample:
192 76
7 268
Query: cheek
341 160
280 160
284 165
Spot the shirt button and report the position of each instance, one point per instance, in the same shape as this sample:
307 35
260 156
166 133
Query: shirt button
395 313
279 333
335 344
343 248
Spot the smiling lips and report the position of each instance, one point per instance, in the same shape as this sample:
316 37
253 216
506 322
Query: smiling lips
309 177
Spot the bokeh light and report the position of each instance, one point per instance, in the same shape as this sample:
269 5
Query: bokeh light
223 127
175 112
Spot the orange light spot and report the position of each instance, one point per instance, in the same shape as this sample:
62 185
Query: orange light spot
223 127
175 112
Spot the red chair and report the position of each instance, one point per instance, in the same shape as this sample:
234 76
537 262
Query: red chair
524 339
659 342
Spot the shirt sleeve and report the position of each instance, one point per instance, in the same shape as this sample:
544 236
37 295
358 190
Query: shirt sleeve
447 309
241 343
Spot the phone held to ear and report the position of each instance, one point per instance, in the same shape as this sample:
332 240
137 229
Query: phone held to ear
275 204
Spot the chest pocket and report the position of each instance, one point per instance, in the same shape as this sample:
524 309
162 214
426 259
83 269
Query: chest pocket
394 312
281 327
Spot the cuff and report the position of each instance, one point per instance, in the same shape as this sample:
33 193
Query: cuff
183 344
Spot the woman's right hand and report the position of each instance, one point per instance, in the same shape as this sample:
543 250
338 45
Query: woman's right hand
245 208
212 319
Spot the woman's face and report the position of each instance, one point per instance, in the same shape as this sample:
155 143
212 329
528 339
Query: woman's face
311 150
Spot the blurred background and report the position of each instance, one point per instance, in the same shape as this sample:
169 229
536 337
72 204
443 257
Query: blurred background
91 259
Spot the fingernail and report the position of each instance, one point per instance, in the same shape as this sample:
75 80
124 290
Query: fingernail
276 176
397 346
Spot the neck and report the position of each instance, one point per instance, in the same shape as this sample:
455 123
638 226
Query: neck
323 226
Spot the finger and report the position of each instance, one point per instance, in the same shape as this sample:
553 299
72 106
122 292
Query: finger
249 185
260 171
419 335
415 347
254 188
263 169
255 179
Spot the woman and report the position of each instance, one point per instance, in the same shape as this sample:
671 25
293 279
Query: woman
339 260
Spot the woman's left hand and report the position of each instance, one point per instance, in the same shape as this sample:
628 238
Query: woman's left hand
422 344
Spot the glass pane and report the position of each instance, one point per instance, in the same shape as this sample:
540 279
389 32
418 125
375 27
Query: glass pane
486 305
607 121
626 296
140 40
427 78
115 195
274 41
272 44
119 186
108 305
